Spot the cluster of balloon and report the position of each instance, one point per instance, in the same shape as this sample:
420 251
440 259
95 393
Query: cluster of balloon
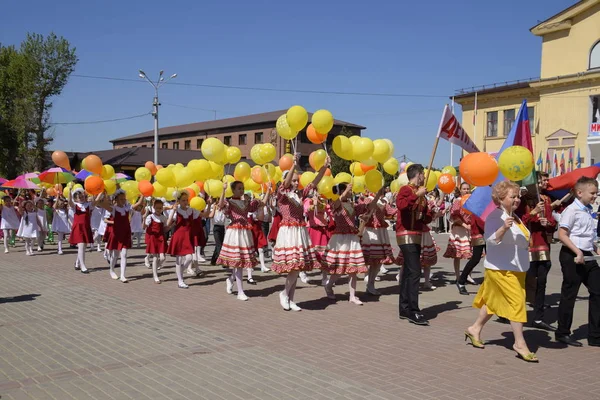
295 119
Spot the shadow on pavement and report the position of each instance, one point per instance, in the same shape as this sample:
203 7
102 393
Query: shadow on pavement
18 299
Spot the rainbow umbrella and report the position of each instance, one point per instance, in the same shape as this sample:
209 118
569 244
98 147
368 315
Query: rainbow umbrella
56 175
2 180
20 183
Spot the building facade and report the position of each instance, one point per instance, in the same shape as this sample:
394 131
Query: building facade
243 132
563 103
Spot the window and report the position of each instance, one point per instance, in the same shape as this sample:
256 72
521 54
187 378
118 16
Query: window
143 145
227 140
242 139
165 145
199 143
152 145
531 115
509 120
492 124
187 145
175 145
258 137
595 109
595 56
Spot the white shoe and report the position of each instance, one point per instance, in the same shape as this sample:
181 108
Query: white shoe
39 249
242 297
114 276
60 253
229 286
383 270
5 251
471 280
398 278
356 301
284 301
182 285
366 278
123 279
429 286
303 277
98 249
262 269
190 271
294 307
201 259
29 254
147 263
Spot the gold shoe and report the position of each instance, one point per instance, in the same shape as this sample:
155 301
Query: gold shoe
478 344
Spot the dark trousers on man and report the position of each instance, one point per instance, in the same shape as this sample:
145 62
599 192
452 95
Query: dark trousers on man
219 235
573 276
538 275
411 275
471 264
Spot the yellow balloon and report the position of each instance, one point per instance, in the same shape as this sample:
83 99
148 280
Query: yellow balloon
362 149
297 117
373 180
403 179
356 170
431 181
234 155
353 139
159 190
267 152
213 188
319 157
516 163
195 188
342 147
165 177
395 186
213 149
242 171
270 170
283 129
391 145
358 184
179 165
249 184
110 186
325 185
203 171
198 203
343 177
381 151
143 174
229 179
391 166
107 171
217 170
169 195
183 178
256 155
322 120
307 178
449 170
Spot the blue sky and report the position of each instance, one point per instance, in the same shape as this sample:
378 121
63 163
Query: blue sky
415 48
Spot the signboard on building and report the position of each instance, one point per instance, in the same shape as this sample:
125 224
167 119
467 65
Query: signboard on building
595 129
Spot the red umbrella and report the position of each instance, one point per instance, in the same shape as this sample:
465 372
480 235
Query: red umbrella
20 183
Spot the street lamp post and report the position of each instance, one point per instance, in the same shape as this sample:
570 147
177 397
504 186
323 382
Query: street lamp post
156 85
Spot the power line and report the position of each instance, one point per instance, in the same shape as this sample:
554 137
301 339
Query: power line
265 89
100 121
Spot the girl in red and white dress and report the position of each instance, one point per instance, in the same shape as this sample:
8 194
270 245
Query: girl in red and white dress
199 238
375 240
459 243
81 230
237 251
182 246
293 251
156 240
343 255
258 237
317 212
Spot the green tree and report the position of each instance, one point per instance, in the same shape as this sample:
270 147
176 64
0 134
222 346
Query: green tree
338 164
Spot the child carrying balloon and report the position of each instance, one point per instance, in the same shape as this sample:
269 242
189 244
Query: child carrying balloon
181 245
30 226
81 230
156 240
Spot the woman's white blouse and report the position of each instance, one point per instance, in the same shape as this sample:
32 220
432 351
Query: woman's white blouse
512 253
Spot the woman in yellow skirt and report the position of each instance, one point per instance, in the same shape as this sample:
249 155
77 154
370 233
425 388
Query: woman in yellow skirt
506 263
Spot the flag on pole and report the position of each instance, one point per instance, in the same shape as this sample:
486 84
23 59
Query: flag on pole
547 170
578 158
540 162
555 166
451 130
570 160
562 162
480 203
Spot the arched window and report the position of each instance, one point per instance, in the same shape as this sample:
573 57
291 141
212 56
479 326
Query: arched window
595 56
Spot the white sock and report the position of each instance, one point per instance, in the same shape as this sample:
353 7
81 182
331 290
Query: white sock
81 256
60 239
237 272
6 235
112 256
155 261
290 284
261 258
123 262
249 270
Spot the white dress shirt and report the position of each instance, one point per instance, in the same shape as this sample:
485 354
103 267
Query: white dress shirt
578 219
510 254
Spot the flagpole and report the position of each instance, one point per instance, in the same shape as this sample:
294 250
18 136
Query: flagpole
452 144
435 145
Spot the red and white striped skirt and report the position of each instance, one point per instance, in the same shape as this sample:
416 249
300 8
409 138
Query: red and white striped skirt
344 255
293 251
238 249
376 247
459 243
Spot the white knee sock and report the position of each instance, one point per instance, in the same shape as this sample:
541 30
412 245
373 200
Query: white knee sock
28 246
237 272
249 270
123 262
61 236
290 284
81 256
261 258
155 261
112 255
352 284
6 236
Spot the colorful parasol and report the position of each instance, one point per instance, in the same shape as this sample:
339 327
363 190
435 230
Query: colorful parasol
120 177
56 175
2 180
20 183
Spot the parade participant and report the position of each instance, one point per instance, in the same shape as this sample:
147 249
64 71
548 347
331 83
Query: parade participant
9 221
30 226
199 239
81 229
156 240
506 263
293 251
413 214
136 221
96 221
536 214
577 233
219 222
459 243
181 245
259 239
40 204
478 248
237 251
60 221
316 211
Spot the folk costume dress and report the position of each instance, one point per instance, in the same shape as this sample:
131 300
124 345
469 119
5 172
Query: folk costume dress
459 243
293 250
121 230
81 231
198 235
258 236
318 222
237 250
182 242
156 240
429 247
343 254
375 241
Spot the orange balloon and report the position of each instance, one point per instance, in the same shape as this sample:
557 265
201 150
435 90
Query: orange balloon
51 192
93 164
200 185
478 169
60 158
366 168
190 192
463 200
158 166
286 162
327 172
145 188
150 165
258 174
300 186
446 183
314 136
94 185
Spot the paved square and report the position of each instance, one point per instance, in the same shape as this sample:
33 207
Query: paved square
66 335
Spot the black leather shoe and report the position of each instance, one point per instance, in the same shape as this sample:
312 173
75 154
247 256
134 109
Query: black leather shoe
569 341
543 325
462 290
415 318
594 343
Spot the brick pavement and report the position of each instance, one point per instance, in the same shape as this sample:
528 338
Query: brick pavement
66 335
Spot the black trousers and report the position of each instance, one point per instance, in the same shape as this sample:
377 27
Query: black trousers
411 275
538 271
219 235
573 276
477 254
